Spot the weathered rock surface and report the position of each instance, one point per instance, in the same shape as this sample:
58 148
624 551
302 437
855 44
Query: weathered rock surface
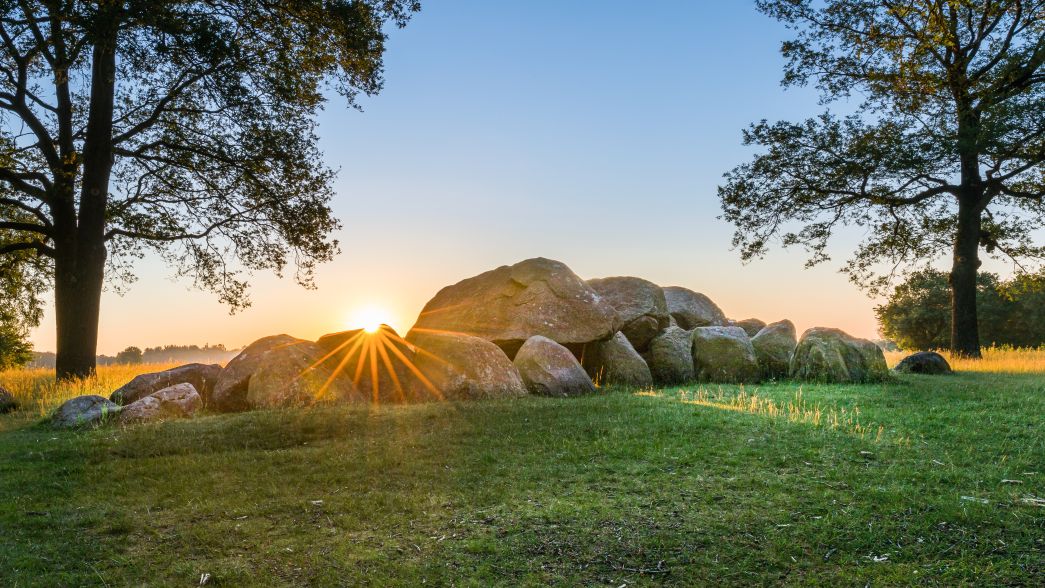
774 345
924 362
615 361
724 354
510 304
670 356
462 367
84 411
230 391
360 355
833 356
7 401
751 326
176 402
295 375
692 309
642 310
201 376
549 369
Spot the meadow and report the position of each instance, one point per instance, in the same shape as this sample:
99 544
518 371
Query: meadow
919 481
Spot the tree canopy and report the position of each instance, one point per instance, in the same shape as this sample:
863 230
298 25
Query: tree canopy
941 150
181 127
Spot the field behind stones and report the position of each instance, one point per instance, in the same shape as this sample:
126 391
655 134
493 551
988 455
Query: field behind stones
923 480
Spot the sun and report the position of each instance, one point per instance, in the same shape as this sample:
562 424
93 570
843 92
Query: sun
369 318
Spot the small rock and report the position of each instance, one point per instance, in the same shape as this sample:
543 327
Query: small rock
176 402
549 369
84 411
924 362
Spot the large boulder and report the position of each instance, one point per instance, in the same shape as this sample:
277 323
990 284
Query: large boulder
642 311
549 369
724 354
833 356
297 375
230 391
176 402
692 309
751 326
510 304
924 362
774 345
615 361
670 356
7 401
201 376
381 364
84 411
461 367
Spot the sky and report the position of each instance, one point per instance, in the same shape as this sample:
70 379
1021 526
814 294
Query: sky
591 133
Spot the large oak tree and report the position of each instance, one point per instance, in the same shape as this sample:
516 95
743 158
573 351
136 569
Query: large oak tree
184 127
945 151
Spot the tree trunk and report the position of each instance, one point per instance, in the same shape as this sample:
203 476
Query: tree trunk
965 331
77 301
80 249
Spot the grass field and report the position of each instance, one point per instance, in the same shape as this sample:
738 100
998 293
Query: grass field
929 481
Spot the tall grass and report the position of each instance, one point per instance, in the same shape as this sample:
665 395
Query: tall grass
995 359
38 393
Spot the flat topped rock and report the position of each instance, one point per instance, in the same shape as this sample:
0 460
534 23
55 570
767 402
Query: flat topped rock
924 362
510 304
176 402
203 377
692 309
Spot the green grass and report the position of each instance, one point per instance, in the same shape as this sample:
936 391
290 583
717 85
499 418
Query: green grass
608 490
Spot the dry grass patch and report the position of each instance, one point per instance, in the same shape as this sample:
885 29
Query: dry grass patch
995 360
38 392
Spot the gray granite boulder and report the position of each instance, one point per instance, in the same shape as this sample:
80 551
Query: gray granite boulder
724 354
549 369
510 304
84 411
461 367
924 362
774 345
751 326
692 309
230 391
670 357
296 375
176 402
381 364
203 377
615 361
833 356
642 311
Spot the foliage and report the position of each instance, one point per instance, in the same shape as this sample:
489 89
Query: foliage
22 282
943 152
917 315
611 489
130 355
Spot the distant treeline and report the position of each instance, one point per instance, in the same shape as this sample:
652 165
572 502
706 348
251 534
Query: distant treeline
165 354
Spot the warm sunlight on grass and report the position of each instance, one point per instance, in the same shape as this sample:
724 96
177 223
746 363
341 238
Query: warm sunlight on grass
38 393
995 359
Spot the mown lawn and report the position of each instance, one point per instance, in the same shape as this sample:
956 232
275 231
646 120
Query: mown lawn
617 489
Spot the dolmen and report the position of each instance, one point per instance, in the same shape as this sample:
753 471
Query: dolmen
532 328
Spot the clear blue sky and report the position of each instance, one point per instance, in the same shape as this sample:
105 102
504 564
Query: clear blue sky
590 132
